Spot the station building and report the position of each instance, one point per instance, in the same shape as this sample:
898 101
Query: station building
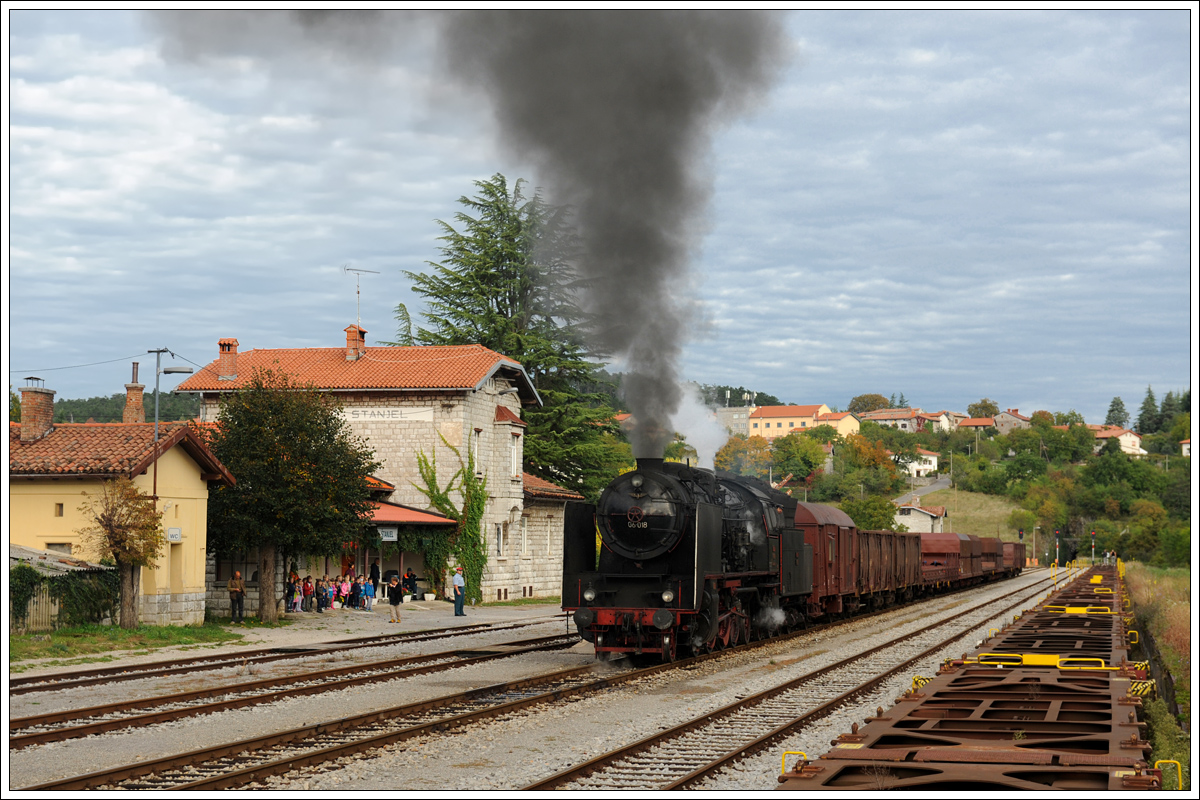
55 467
408 400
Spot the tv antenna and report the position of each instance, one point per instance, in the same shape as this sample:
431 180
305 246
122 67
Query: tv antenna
358 273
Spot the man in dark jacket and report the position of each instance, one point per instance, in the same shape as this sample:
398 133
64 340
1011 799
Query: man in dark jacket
237 597
375 576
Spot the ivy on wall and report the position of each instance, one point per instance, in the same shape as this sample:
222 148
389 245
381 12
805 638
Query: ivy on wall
466 544
83 597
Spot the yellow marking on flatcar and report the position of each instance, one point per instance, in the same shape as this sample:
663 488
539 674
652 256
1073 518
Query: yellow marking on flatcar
1077 609
1143 689
1178 768
918 681
783 764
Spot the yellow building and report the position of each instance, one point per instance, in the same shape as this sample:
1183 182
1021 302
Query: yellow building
54 468
771 422
843 422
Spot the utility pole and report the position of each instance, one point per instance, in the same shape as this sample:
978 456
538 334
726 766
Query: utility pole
158 370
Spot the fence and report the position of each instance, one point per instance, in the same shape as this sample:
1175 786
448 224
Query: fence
41 613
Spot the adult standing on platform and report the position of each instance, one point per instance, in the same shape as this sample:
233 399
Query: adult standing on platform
460 592
394 599
374 577
237 597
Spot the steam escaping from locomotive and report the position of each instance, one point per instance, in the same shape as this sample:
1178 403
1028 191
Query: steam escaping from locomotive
615 109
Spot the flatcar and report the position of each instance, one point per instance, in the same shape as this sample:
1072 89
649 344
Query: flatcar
696 560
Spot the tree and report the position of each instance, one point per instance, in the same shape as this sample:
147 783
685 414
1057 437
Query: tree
873 514
506 282
1147 421
1041 419
1071 417
867 402
984 408
301 477
797 454
14 406
745 456
1117 415
825 434
713 396
125 525
1167 411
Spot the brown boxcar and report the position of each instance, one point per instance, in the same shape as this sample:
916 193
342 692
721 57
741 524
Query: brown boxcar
992 554
876 559
972 555
830 533
908 563
1014 557
941 557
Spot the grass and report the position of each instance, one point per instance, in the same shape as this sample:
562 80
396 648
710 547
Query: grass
1162 606
975 513
87 644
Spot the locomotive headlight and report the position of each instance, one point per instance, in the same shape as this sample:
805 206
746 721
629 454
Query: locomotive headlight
589 594
668 596
636 481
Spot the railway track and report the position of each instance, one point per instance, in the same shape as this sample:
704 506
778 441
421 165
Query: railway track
684 755
63 725
155 669
251 761
1049 701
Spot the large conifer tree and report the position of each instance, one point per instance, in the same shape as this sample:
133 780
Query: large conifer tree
1117 415
1147 421
506 281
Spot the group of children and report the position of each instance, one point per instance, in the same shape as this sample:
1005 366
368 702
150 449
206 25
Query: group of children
347 591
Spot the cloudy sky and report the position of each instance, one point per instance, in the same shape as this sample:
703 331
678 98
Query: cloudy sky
948 205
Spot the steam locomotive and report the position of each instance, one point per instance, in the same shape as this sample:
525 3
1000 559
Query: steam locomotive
693 560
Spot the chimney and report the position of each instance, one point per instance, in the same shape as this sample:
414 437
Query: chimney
227 360
134 410
37 411
356 343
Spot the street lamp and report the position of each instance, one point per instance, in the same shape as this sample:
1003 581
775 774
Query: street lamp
1036 528
158 370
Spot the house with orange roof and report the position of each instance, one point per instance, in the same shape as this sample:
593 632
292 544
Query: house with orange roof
976 424
405 400
771 422
843 422
923 519
910 420
1186 447
1129 441
55 467
1010 420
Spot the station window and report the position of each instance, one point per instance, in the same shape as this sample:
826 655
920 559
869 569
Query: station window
791 424
64 548
58 509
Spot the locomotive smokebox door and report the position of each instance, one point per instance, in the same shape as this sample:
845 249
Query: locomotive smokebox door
579 551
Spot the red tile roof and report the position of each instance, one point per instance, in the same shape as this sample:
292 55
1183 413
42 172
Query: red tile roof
785 411
834 416
379 485
105 448
933 511
977 422
925 452
504 414
536 487
441 367
403 515
891 413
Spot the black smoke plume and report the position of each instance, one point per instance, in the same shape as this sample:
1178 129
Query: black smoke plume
616 109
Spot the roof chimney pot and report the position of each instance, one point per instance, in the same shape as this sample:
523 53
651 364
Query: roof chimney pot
356 343
37 412
227 359
135 410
